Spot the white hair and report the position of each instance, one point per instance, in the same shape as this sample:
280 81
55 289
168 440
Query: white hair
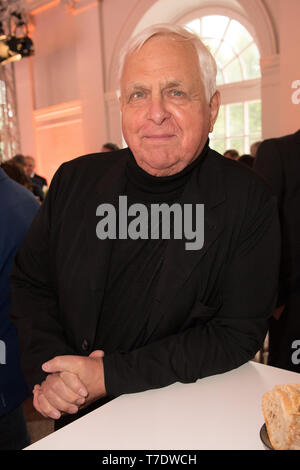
207 63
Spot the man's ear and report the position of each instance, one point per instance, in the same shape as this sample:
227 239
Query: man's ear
214 106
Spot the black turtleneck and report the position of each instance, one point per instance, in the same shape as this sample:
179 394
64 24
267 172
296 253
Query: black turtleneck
135 264
143 187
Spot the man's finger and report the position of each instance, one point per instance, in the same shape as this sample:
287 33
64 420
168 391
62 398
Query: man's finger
66 364
42 405
57 400
60 364
73 383
36 403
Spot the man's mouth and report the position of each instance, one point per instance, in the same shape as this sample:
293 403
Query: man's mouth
158 137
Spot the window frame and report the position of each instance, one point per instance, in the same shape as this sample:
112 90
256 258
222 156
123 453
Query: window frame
234 92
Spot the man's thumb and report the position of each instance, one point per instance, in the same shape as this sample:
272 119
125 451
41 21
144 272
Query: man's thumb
97 353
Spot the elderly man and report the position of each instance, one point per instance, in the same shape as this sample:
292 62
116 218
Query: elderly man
106 308
29 169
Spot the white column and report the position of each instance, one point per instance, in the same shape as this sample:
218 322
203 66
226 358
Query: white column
89 58
289 65
114 132
270 96
25 104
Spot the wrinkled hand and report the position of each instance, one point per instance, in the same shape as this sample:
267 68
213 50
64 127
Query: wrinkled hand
73 382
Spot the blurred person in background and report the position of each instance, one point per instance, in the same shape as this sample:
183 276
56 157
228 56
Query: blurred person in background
36 188
254 148
278 161
30 171
109 147
231 153
247 159
18 207
16 172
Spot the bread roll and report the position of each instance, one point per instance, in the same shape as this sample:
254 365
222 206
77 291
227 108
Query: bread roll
281 409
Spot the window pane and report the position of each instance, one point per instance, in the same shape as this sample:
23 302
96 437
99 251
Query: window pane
254 116
237 143
194 25
212 44
219 127
236 119
254 138
218 145
233 72
250 58
224 54
214 26
237 36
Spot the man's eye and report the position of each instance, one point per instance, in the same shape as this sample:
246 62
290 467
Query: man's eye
176 93
137 95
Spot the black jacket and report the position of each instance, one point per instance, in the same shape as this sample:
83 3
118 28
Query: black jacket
211 306
278 161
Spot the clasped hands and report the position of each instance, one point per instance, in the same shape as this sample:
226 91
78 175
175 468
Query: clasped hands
73 382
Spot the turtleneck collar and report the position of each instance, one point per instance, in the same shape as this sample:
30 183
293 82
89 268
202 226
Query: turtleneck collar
141 185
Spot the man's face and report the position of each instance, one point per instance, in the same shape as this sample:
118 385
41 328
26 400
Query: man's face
165 116
29 166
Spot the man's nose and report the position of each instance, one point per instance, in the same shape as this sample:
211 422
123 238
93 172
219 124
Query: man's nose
157 111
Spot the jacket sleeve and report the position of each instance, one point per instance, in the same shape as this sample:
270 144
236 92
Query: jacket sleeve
269 165
34 302
234 334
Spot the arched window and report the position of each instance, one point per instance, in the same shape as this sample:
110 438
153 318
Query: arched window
238 79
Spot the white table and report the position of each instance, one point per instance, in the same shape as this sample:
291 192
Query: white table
218 412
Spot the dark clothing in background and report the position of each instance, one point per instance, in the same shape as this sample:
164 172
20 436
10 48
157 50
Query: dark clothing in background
13 430
39 180
206 311
37 191
17 209
247 160
278 161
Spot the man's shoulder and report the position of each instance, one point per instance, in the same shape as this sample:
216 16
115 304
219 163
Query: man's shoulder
86 173
93 162
14 190
237 179
234 172
284 140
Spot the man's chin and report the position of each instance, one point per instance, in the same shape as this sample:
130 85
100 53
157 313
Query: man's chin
158 166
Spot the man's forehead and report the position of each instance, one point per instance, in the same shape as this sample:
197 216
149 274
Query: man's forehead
153 45
173 61
169 82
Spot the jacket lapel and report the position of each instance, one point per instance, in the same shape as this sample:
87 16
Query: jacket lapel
108 189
